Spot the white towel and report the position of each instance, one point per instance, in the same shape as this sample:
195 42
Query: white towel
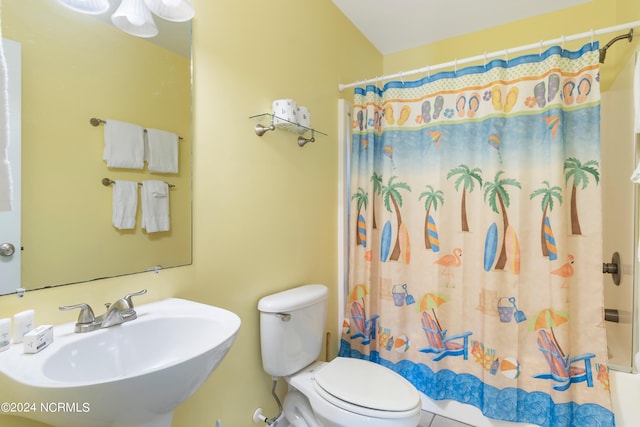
636 94
635 177
125 204
123 145
155 206
5 168
161 151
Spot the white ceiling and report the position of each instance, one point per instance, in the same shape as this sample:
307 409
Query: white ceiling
392 26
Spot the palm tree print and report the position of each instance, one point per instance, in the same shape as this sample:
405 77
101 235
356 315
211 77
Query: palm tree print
466 178
549 194
362 198
496 194
391 196
432 198
377 188
579 173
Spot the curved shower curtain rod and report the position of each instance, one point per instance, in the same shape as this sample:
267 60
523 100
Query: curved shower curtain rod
505 52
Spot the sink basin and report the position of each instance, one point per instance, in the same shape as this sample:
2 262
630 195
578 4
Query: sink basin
129 375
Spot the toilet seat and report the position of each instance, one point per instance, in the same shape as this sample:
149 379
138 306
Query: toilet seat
366 388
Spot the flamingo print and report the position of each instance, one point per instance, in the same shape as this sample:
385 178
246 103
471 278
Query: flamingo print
565 271
447 261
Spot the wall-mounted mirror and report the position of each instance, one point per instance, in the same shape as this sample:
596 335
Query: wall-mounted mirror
75 67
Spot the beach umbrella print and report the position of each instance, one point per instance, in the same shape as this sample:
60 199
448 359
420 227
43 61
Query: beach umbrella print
494 141
436 137
430 301
358 292
552 123
549 318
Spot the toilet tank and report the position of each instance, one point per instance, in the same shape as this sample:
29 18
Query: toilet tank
291 328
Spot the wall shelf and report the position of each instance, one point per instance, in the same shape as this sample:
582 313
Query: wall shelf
276 122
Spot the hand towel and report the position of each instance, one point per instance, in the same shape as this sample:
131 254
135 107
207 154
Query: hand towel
123 145
5 167
125 204
635 177
636 94
161 151
155 206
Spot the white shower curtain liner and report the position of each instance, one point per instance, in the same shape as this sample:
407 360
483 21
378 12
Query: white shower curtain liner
500 53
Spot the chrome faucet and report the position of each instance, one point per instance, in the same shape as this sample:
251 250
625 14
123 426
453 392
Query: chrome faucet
119 312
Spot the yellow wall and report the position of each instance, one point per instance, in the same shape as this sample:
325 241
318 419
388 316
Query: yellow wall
265 209
75 67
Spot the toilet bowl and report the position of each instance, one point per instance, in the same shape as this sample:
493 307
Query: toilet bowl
344 392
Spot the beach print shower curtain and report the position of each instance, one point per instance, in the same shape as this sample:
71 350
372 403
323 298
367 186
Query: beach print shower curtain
475 237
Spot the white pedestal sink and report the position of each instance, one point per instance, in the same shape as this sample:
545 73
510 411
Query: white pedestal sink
129 375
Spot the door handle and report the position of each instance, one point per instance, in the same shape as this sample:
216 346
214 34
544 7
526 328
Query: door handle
7 249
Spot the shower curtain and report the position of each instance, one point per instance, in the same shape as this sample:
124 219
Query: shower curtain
475 263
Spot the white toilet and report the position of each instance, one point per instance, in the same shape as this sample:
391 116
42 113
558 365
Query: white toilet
342 393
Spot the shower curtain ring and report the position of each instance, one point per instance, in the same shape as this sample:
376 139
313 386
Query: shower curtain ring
485 59
540 48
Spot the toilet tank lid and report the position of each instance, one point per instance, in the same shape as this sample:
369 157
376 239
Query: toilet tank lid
293 299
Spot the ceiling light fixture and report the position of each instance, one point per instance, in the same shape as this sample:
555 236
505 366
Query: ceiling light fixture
134 16
171 10
92 7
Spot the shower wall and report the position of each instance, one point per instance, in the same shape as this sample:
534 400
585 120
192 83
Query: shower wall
619 212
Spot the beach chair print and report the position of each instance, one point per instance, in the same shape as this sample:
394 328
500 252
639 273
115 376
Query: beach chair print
365 328
563 371
439 344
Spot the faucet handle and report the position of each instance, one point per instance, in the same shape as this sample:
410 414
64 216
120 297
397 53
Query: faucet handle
86 315
128 297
